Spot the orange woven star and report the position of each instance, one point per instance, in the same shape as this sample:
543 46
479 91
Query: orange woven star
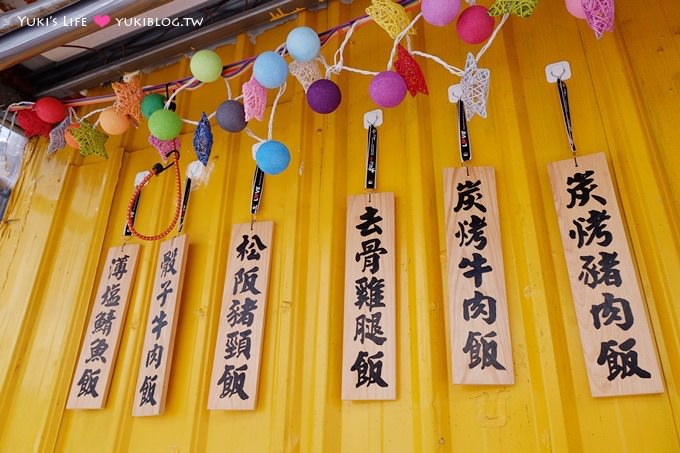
129 98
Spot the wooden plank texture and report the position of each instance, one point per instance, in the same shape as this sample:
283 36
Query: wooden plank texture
369 338
481 349
619 351
161 325
92 378
238 348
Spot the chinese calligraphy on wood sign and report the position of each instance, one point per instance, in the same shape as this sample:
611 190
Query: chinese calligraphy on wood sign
480 334
161 324
92 378
236 366
369 347
615 335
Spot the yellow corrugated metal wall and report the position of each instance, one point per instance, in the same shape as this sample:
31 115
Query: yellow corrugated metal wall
67 211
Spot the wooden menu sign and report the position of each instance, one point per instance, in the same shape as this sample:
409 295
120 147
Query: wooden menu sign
480 334
91 381
238 350
369 345
617 343
161 325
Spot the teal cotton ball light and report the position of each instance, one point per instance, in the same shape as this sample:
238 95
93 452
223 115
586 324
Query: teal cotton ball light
165 124
151 103
303 44
206 66
270 69
272 157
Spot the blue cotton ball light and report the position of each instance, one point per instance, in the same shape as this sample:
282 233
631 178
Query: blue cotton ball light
303 44
206 66
270 69
272 157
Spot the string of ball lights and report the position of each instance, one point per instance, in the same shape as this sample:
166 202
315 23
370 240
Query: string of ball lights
132 103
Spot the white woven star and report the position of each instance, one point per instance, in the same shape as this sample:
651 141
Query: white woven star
57 140
475 88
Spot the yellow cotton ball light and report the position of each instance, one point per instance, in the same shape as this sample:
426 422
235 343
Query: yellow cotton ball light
206 66
112 122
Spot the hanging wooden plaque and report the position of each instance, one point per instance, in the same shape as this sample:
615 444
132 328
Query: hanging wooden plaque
91 381
481 348
238 349
369 344
161 325
617 343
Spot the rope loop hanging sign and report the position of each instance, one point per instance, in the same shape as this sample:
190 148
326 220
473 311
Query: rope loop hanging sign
156 170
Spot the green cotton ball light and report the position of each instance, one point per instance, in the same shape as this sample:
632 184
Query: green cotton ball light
206 66
165 124
151 103
272 157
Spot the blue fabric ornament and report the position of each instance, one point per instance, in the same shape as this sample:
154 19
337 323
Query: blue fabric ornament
203 140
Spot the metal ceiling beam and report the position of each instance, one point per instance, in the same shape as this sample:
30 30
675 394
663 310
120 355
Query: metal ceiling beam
12 19
204 37
28 42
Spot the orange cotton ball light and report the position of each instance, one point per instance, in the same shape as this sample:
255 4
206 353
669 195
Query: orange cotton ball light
112 122
69 138
50 110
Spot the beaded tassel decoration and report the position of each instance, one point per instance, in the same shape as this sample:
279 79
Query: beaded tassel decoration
203 140
521 8
91 141
407 67
129 98
254 99
306 72
599 15
475 88
57 140
164 147
390 16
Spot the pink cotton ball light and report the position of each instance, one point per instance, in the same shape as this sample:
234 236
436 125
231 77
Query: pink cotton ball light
387 89
474 24
575 8
440 12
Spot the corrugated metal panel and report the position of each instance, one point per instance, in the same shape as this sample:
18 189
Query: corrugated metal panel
68 211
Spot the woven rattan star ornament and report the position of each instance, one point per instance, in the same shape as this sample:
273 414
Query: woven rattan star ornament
129 98
390 16
91 141
57 140
521 8
203 140
475 88
254 99
407 67
599 15
306 72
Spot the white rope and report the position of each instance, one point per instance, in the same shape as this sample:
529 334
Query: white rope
452 69
338 57
359 71
226 82
399 37
252 135
282 88
492 37
93 112
188 82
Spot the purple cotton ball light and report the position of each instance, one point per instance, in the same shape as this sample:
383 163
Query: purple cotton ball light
231 116
440 12
387 89
323 96
474 25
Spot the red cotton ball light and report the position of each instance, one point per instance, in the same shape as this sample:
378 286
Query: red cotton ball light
50 110
387 89
474 25
323 96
